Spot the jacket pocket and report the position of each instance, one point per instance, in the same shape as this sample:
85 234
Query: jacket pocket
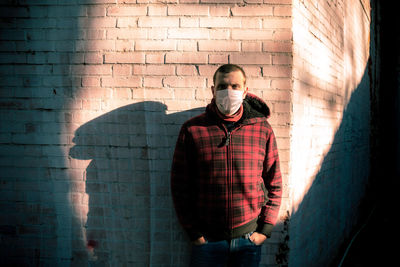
263 195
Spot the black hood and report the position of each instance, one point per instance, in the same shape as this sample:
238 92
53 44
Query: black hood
255 107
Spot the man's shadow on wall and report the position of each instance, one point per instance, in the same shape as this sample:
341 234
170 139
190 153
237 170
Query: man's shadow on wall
130 216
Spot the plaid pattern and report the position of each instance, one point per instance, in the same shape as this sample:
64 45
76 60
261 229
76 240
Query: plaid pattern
225 184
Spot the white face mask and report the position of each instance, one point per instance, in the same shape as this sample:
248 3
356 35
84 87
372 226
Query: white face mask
228 101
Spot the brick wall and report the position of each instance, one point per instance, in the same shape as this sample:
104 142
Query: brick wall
330 135
92 97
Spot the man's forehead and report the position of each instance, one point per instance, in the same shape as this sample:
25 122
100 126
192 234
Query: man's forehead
233 74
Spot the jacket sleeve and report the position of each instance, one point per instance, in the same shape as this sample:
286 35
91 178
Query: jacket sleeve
273 183
182 187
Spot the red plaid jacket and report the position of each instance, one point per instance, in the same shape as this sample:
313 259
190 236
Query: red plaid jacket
226 184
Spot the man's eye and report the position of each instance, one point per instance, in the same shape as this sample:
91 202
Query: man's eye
222 86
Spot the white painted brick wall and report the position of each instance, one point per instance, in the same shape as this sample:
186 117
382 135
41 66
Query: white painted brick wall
92 97
330 134
93 93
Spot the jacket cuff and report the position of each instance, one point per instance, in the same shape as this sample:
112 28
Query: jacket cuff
265 229
194 235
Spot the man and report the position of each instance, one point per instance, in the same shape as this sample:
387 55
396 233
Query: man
225 178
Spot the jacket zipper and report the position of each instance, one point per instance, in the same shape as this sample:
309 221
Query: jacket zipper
229 178
227 143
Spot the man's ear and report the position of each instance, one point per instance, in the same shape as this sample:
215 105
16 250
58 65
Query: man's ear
212 90
245 92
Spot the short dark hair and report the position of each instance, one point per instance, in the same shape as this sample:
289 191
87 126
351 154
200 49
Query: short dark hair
227 68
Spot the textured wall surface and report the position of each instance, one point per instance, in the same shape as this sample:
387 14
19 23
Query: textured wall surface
92 96
330 138
93 93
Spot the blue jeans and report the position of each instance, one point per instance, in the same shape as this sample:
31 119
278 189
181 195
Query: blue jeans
236 252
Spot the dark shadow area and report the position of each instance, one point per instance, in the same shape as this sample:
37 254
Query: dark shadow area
130 218
373 241
330 208
36 51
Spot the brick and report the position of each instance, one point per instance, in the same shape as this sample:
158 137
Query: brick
283 11
203 94
218 59
219 10
157 10
189 22
252 71
188 10
17 58
126 34
91 104
215 45
184 82
253 23
275 46
127 22
258 83
100 22
93 58
163 93
252 11
122 70
14 12
158 22
186 70
188 1
39 46
187 45
124 58
251 46
274 23
278 2
251 34
277 71
157 33
220 34
124 93
121 82
278 95
97 92
92 2
151 82
156 58
96 11
221 2
66 11
154 69
220 22
121 11
12 35
251 58
282 35
91 81
92 69
281 59
151 45
186 57
281 84
207 70
97 45
124 45
95 34
188 33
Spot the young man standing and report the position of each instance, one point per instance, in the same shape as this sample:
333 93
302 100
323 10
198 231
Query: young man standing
225 180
